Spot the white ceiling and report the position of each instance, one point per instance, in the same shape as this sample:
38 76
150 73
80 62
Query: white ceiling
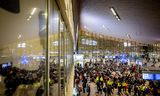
139 18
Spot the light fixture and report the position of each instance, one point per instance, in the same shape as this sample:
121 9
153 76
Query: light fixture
28 19
129 44
118 19
19 36
115 13
125 44
33 11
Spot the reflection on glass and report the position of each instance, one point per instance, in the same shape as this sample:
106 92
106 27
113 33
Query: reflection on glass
22 49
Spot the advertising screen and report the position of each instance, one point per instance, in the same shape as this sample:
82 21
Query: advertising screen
24 60
157 76
5 65
148 76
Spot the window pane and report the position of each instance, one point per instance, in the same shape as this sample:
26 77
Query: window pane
22 41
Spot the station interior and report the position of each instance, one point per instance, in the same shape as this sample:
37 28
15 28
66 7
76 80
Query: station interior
79 48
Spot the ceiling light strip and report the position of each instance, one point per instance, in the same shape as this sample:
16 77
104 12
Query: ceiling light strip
115 13
33 11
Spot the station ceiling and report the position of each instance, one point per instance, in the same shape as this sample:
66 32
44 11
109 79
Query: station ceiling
139 19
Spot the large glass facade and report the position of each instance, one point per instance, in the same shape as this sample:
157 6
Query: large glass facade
24 49
97 46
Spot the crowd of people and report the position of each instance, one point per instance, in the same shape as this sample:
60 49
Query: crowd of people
15 77
111 79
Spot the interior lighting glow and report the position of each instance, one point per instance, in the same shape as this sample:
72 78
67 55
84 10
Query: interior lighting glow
55 43
19 36
56 18
33 11
89 42
129 44
28 19
125 44
23 45
113 11
19 45
117 17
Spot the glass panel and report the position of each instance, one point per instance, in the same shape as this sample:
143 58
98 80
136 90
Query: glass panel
54 49
60 52
22 41
62 62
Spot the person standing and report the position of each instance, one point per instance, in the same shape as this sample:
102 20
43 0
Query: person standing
93 88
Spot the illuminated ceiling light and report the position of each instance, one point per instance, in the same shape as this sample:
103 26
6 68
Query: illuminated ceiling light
118 19
19 36
125 44
19 45
28 19
33 11
129 44
113 11
23 45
